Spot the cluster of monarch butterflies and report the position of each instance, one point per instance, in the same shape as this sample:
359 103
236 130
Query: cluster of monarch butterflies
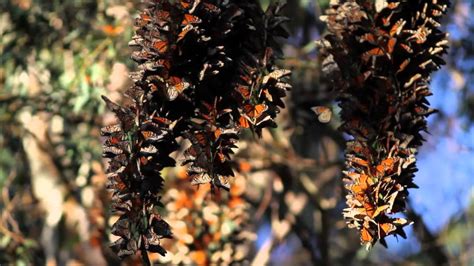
381 55
206 70
209 232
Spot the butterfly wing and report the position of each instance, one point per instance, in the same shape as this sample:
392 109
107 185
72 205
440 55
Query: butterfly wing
324 113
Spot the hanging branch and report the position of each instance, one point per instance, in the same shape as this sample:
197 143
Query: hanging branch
206 70
381 57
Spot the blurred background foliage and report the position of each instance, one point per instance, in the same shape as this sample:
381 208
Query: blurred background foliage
58 57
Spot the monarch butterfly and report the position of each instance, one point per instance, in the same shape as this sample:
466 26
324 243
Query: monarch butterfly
407 48
111 30
161 120
247 79
109 130
442 43
283 86
243 122
360 79
187 4
356 125
369 208
220 156
244 91
165 63
433 22
420 35
159 64
392 5
143 160
160 46
202 73
365 236
125 115
191 152
351 175
190 19
385 229
436 50
200 138
119 185
159 226
403 65
177 87
277 74
324 113
386 20
437 13
184 32
135 93
141 56
143 20
378 51
400 221
386 165
111 151
113 140
361 186
211 8
162 16
217 133
357 161
426 63
412 80
199 178
152 34
150 149
387 49
254 111
264 122
358 148
398 27
150 135
368 37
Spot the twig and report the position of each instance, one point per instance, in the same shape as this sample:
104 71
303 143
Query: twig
324 237
305 236
6 217
267 198
145 258
427 239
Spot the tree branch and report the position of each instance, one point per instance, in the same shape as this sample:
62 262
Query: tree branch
428 240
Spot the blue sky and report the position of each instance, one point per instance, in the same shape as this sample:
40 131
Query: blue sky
446 175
